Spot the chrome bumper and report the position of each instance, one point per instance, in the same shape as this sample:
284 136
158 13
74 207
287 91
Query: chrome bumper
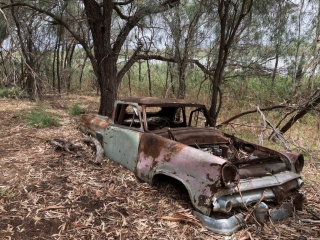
232 224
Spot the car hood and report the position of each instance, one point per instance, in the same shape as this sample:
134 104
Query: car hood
193 135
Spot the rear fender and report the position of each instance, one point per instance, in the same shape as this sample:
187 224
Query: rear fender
198 171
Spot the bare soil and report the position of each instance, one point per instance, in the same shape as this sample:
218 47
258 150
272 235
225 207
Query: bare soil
52 193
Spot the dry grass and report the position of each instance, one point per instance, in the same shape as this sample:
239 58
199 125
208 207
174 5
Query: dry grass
51 194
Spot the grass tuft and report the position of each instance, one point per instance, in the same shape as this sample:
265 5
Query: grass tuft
76 109
40 118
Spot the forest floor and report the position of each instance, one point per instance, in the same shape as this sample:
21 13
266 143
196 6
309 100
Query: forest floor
47 193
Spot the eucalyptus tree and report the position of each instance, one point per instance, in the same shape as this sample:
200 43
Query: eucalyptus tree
108 43
33 41
231 16
72 12
110 23
184 29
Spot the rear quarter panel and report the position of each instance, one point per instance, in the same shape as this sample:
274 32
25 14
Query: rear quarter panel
197 170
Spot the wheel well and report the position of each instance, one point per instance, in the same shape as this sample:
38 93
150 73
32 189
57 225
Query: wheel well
172 186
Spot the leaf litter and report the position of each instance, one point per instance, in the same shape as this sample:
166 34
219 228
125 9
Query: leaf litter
48 191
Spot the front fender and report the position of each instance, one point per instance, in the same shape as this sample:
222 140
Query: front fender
200 172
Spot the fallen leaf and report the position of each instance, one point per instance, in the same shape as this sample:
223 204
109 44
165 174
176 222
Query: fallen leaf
52 207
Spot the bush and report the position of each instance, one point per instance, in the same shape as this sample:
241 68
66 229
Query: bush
76 109
39 117
14 92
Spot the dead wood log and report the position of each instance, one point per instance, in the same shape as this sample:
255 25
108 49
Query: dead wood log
99 148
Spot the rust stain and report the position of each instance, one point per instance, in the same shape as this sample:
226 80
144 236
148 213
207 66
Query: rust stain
214 186
151 146
88 120
203 201
154 164
209 177
177 148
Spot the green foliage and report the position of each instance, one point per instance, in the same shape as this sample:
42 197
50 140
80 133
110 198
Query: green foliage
39 117
161 83
6 193
14 92
261 90
76 109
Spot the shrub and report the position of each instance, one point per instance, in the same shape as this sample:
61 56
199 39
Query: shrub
14 92
39 117
76 109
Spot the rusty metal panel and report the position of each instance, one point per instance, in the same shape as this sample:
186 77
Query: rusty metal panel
197 170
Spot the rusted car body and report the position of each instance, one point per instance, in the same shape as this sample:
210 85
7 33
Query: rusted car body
223 175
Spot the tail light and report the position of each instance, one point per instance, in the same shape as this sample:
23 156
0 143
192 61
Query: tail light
299 164
229 175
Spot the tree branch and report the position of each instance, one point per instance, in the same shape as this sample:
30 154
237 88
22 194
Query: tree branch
173 60
123 3
129 63
121 15
134 20
249 112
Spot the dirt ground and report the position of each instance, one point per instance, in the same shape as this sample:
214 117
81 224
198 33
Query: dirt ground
49 193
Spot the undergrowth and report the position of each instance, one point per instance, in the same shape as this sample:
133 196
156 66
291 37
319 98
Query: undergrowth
41 118
14 92
76 109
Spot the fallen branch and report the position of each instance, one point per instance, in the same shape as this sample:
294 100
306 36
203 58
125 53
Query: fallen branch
310 221
99 149
181 217
257 203
59 144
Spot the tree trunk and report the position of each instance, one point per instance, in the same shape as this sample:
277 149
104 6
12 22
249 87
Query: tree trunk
104 60
58 60
108 86
275 69
27 51
230 20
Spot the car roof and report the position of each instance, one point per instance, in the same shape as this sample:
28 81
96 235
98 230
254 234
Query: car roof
164 102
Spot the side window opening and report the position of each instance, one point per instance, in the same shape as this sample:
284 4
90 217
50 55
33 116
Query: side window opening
197 118
165 117
128 115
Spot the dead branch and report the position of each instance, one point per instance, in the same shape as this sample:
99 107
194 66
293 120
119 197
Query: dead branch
264 125
313 101
249 112
257 203
99 149
310 221
59 144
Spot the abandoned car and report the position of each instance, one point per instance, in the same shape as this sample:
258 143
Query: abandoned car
225 176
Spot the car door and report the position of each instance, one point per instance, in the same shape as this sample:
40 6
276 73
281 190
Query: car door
121 140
